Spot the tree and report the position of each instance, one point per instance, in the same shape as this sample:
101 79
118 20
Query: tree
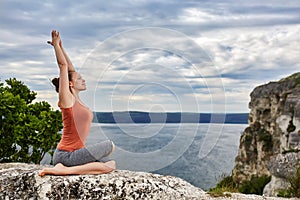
27 130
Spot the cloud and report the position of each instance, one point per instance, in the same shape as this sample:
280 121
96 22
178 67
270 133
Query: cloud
203 50
250 51
247 57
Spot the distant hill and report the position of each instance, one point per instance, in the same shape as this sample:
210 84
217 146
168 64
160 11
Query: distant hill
145 117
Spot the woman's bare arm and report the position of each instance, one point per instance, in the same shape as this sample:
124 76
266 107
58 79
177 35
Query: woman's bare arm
70 64
65 96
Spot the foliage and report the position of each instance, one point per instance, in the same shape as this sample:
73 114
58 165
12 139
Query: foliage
225 185
27 130
284 193
219 192
294 189
227 182
255 185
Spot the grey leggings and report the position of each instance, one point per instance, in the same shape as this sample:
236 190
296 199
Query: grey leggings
92 153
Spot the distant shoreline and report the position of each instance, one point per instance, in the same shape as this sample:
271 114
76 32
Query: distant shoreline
169 117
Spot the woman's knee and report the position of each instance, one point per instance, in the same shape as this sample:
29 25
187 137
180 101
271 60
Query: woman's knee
112 146
112 149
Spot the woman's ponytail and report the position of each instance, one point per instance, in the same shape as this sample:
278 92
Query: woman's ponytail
55 82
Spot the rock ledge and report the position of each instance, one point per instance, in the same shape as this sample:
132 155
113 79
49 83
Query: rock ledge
21 181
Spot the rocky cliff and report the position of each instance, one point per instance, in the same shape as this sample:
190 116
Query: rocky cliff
21 181
270 145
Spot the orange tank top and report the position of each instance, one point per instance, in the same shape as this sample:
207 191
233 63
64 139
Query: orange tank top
77 122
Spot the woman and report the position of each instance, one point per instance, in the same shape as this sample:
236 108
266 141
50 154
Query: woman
71 155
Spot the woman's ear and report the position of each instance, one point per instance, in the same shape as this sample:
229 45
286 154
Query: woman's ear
71 84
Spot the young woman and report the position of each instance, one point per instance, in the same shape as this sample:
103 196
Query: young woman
71 155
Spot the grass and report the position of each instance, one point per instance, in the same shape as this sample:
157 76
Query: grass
254 186
227 186
294 189
223 187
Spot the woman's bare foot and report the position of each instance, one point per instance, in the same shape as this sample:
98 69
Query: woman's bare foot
89 168
111 164
58 169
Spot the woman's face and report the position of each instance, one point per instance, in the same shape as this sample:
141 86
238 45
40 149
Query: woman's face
78 82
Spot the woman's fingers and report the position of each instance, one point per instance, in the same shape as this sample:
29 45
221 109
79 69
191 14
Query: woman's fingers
55 38
53 33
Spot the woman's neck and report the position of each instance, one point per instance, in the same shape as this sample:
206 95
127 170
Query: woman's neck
75 94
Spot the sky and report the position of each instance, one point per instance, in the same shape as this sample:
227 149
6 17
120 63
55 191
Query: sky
155 56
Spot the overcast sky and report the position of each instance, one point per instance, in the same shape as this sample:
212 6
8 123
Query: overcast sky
190 56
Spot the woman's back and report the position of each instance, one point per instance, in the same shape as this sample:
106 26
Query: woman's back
77 122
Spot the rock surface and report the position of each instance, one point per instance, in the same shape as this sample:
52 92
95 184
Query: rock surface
21 181
272 136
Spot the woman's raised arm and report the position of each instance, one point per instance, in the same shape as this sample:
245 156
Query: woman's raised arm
70 64
65 95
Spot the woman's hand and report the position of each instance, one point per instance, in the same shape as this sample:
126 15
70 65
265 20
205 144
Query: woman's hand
55 39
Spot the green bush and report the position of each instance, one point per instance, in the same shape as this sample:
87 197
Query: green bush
225 185
295 184
255 185
284 193
27 130
227 182
294 189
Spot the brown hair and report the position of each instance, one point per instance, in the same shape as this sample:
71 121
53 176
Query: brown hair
55 81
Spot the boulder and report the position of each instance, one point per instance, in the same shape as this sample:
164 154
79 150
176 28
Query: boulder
21 181
281 166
